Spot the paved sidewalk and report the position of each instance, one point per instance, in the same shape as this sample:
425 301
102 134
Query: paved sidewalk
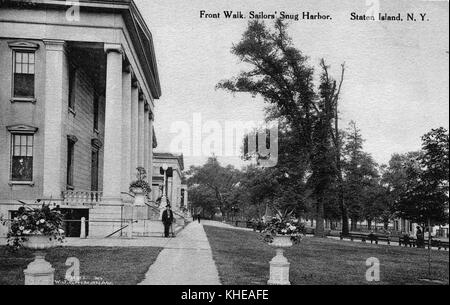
185 260
220 224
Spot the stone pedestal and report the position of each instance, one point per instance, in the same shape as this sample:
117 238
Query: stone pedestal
279 269
39 271
279 265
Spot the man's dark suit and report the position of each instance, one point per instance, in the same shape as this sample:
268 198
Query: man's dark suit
167 219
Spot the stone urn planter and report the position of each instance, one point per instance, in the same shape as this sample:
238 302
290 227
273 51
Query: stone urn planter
139 196
279 265
39 271
38 242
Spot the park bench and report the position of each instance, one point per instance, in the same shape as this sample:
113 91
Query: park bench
407 241
366 237
439 244
412 242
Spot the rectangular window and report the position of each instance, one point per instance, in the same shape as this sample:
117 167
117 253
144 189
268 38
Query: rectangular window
22 157
95 113
70 159
24 63
72 84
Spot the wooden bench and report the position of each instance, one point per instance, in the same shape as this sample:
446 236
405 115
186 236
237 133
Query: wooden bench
412 242
366 237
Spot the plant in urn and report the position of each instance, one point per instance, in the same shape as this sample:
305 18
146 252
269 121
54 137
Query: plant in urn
37 229
140 187
281 232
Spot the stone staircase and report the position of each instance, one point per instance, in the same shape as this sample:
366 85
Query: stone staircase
149 222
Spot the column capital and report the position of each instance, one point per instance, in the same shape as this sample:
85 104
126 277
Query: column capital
141 95
126 68
113 47
146 107
54 45
151 117
134 82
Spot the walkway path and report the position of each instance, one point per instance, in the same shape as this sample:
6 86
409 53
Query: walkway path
185 260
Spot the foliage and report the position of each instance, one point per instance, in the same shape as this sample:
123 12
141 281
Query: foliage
141 181
35 221
282 76
424 199
283 224
218 182
361 178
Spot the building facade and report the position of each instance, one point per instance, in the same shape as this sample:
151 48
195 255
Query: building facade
77 93
171 180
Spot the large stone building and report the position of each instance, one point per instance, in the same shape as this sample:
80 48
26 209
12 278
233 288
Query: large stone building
77 93
170 181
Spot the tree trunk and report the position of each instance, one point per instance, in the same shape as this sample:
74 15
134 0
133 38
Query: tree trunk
344 214
369 224
353 224
320 231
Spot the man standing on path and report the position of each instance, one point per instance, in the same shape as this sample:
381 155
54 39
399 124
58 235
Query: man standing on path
167 219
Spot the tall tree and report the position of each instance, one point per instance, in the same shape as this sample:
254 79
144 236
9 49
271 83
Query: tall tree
281 74
361 175
219 180
424 200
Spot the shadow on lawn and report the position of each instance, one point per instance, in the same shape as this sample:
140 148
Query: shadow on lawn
242 258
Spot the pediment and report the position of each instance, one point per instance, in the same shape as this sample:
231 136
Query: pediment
22 128
23 45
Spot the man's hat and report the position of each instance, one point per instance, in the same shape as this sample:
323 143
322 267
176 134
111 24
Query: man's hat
168 206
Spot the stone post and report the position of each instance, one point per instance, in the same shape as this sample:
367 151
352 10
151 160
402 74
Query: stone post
83 228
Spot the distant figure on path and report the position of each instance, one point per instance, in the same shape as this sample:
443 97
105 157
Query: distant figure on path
167 219
198 218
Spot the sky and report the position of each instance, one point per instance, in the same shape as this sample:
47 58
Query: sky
396 85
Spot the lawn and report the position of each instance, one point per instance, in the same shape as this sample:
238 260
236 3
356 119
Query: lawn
242 258
118 266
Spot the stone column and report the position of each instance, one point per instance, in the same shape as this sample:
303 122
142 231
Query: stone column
134 128
146 138
112 169
150 147
55 101
141 132
126 129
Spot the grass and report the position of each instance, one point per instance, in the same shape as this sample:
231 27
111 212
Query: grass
242 258
118 266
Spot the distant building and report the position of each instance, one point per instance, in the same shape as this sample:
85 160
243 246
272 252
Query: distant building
177 193
76 107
